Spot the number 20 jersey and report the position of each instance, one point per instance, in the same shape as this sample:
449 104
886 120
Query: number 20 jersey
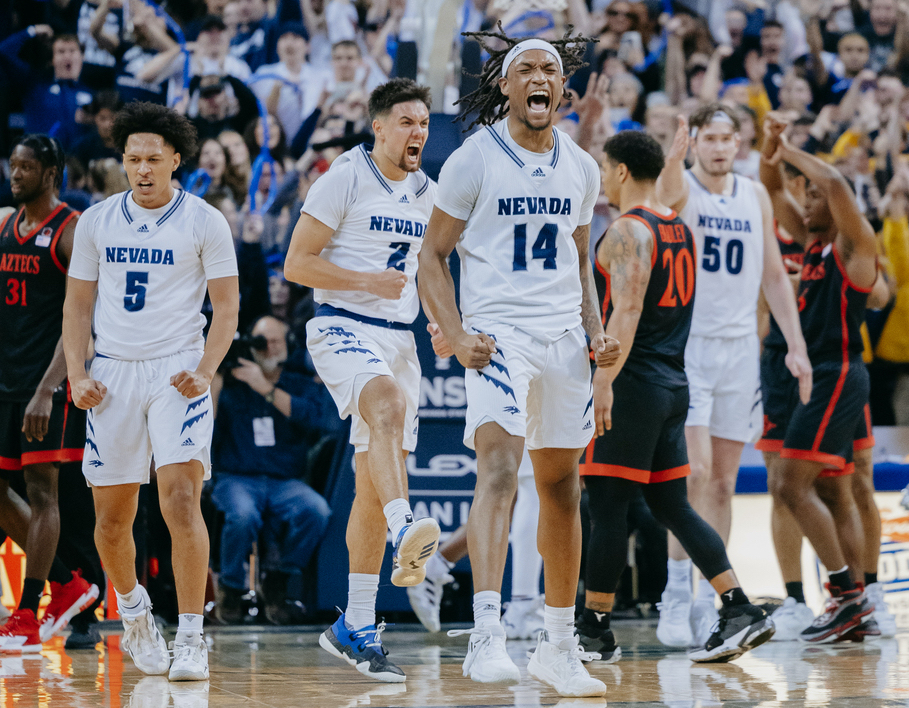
378 224
729 237
519 262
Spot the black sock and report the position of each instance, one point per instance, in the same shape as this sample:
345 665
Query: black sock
734 597
795 591
32 589
59 573
870 579
600 620
842 580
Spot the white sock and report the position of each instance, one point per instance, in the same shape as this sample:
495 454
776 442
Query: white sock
559 623
362 589
706 593
398 515
679 582
487 608
437 567
133 602
189 628
526 561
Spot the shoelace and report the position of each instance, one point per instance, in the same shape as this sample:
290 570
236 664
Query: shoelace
180 651
479 638
673 607
12 624
375 642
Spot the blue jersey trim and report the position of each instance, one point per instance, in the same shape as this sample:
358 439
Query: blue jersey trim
325 310
375 170
423 188
504 146
124 208
172 209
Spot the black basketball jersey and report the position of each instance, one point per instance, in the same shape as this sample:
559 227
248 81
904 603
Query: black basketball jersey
792 251
658 352
32 289
831 308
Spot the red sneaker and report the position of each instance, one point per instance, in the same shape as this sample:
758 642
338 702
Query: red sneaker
67 601
20 633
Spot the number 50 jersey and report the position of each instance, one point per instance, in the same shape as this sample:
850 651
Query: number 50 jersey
152 268
519 262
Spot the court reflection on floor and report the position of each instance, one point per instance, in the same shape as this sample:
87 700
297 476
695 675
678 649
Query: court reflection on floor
284 669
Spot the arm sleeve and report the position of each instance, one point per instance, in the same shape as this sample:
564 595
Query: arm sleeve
332 195
219 260
460 181
593 190
85 261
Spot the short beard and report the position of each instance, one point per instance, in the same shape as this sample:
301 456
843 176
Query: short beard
26 197
403 163
713 172
535 128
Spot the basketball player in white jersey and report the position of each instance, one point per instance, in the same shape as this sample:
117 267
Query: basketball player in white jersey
516 199
732 222
150 253
356 244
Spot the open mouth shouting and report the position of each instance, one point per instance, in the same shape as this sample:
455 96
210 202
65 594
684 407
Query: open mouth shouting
538 103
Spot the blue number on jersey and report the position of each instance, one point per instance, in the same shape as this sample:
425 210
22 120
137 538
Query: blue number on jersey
396 259
136 280
544 248
713 259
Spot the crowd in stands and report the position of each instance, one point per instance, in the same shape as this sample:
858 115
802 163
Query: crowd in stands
277 89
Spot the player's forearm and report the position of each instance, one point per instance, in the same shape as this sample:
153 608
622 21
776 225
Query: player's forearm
316 272
670 186
590 311
56 370
622 325
815 170
77 327
778 294
220 335
437 293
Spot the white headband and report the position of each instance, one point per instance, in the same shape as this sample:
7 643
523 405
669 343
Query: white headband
530 44
718 117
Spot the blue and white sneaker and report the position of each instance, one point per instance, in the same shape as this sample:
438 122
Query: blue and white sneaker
361 648
413 548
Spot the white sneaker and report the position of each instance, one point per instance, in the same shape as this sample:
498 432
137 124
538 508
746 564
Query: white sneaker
414 546
487 660
704 617
674 627
791 619
882 615
190 660
559 665
523 619
144 643
426 600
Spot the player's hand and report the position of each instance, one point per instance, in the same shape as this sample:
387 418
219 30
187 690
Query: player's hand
474 350
87 393
606 350
798 364
190 383
679 149
388 285
250 373
602 402
37 415
440 345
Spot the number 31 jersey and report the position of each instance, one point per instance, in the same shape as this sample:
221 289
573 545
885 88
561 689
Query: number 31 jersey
378 224
519 262
152 268
729 237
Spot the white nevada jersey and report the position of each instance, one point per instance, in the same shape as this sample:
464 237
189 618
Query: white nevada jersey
152 268
519 262
729 235
379 224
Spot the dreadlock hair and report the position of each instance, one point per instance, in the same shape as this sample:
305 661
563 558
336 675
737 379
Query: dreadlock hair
488 100
47 151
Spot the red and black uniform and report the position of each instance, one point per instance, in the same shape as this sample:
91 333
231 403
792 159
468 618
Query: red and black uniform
650 395
32 290
831 310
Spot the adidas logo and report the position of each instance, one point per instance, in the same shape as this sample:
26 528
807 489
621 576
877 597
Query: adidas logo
404 200
187 443
587 426
143 229
538 172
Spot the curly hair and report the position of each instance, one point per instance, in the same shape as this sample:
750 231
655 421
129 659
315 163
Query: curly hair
488 100
639 152
144 117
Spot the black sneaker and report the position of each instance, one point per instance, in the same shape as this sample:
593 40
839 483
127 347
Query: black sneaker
599 641
868 628
739 629
83 635
845 611
361 648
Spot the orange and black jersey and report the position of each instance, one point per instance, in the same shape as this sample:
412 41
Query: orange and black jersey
32 290
792 251
658 352
831 307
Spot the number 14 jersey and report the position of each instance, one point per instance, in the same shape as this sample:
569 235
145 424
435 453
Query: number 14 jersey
519 262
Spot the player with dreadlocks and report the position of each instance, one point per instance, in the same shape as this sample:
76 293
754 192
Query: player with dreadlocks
517 199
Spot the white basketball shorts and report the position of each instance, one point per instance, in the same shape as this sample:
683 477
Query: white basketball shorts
537 390
143 415
724 384
349 353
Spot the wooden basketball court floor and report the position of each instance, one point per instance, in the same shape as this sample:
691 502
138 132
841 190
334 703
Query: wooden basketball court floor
265 668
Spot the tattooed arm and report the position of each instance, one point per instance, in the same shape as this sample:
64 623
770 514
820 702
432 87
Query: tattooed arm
626 253
605 349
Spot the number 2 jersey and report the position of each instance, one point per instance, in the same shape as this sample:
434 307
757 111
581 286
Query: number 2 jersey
519 262
658 352
152 268
32 289
378 223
